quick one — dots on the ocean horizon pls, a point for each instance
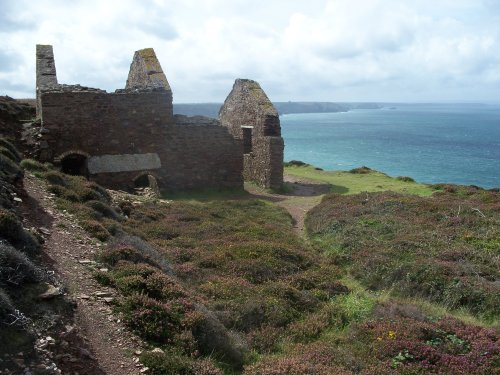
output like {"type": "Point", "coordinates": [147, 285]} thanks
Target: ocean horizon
{"type": "Point", "coordinates": [430, 142]}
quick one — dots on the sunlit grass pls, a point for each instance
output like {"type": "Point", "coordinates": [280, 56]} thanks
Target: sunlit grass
{"type": "Point", "coordinates": [344, 182]}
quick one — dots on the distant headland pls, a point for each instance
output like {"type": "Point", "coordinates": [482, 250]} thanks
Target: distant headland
{"type": "Point", "coordinates": [283, 108]}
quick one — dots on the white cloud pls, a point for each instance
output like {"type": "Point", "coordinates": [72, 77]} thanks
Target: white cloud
{"type": "Point", "coordinates": [317, 50]}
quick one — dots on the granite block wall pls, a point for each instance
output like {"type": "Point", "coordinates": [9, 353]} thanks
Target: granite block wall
{"type": "Point", "coordinates": [248, 112]}
{"type": "Point", "coordinates": [133, 131]}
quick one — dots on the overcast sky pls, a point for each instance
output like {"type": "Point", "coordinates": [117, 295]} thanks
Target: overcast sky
{"type": "Point", "coordinates": [315, 50]}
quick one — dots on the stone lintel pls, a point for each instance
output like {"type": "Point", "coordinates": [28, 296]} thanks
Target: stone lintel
{"type": "Point", "coordinates": [123, 163]}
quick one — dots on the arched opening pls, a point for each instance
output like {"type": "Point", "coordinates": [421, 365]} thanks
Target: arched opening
{"type": "Point", "coordinates": [145, 183]}
{"type": "Point", "coordinates": [142, 181]}
{"type": "Point", "coordinates": [74, 164]}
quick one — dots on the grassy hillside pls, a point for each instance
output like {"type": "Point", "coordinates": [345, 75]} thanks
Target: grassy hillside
{"type": "Point", "coordinates": [358, 180]}
{"type": "Point", "coordinates": [224, 286]}
{"type": "Point", "coordinates": [444, 248]}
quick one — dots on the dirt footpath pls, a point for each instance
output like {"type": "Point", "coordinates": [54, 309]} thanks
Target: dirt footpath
{"type": "Point", "coordinates": [304, 194]}
{"type": "Point", "coordinates": [100, 343]}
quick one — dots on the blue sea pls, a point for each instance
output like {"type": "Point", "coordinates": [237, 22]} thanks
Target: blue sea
{"type": "Point", "coordinates": [452, 143]}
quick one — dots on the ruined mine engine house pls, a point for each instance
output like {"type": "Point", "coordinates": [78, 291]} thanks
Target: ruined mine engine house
{"type": "Point", "coordinates": [131, 136]}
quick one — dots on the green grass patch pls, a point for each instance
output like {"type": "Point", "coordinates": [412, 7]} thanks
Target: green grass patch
{"type": "Point", "coordinates": [362, 180]}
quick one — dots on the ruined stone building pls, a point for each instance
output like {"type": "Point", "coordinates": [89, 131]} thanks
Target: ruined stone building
{"type": "Point", "coordinates": [250, 116]}
{"type": "Point", "coordinates": [131, 137]}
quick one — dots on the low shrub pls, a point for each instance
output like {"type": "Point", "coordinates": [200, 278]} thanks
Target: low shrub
{"type": "Point", "coordinates": [266, 339]}
{"type": "Point", "coordinates": [315, 324]}
{"type": "Point", "coordinates": [102, 192]}
{"type": "Point", "coordinates": [361, 170]}
{"type": "Point", "coordinates": [64, 193]}
{"type": "Point", "coordinates": [12, 230]}
{"type": "Point", "coordinates": [116, 252]}
{"type": "Point", "coordinates": [124, 268]}
{"type": "Point", "coordinates": [112, 226]}
{"type": "Point", "coordinates": [206, 366]}
{"type": "Point", "coordinates": [227, 288]}
{"type": "Point", "coordinates": [163, 287]}
{"type": "Point", "coordinates": [9, 170]}
{"type": "Point", "coordinates": [15, 155]}
{"type": "Point", "coordinates": [295, 163]}
{"type": "Point", "coordinates": [104, 210]}
{"type": "Point", "coordinates": [312, 359]}
{"type": "Point", "coordinates": [56, 178]}
{"type": "Point", "coordinates": [33, 166]}
{"type": "Point", "coordinates": [215, 340]}
{"type": "Point", "coordinates": [432, 247]}
{"type": "Point", "coordinates": [444, 346]}
{"type": "Point", "coordinates": [126, 207]}
{"type": "Point", "coordinates": [84, 193]}
{"type": "Point", "coordinates": [16, 268]}
{"type": "Point", "coordinates": [130, 284]}
{"type": "Point", "coordinates": [168, 363]}
{"type": "Point", "coordinates": [298, 300]}
{"type": "Point", "coordinates": [7, 153]}
{"type": "Point", "coordinates": [405, 179]}
{"type": "Point", "coordinates": [321, 281]}
{"type": "Point", "coordinates": [134, 249]}
{"type": "Point", "coordinates": [95, 229]}
{"type": "Point", "coordinates": [154, 320]}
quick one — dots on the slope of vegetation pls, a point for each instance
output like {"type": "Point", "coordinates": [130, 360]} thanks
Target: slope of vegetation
{"type": "Point", "coordinates": [358, 180]}
{"type": "Point", "coordinates": [224, 286]}
{"type": "Point", "coordinates": [445, 248]}
{"type": "Point", "coordinates": [20, 277]}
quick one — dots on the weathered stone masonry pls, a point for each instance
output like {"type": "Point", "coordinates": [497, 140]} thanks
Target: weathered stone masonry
{"type": "Point", "coordinates": [122, 135]}
{"type": "Point", "coordinates": [250, 116]}
{"type": "Point", "coordinates": [119, 138]}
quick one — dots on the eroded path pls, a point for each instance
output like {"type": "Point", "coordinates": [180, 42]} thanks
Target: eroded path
{"type": "Point", "coordinates": [70, 251]}
{"type": "Point", "coordinates": [304, 195]}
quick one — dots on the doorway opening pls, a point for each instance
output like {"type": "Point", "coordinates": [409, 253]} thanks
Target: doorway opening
{"type": "Point", "coordinates": [247, 139]}
{"type": "Point", "coordinates": [75, 164]}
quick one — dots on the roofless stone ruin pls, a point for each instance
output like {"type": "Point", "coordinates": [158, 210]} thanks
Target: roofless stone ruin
{"type": "Point", "coordinates": [131, 136]}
